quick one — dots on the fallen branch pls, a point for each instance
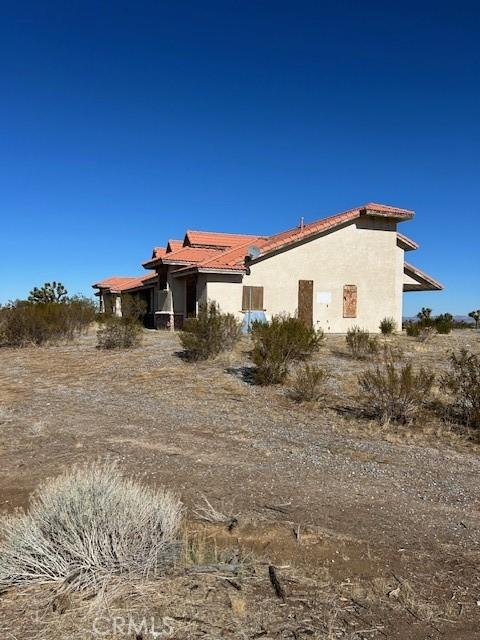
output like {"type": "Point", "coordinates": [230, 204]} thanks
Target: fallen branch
{"type": "Point", "coordinates": [276, 584]}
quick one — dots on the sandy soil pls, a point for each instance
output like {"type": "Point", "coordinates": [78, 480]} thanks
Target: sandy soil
{"type": "Point", "coordinates": [388, 517]}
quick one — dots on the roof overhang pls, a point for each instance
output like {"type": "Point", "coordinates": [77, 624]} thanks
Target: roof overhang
{"type": "Point", "coordinates": [194, 270]}
{"type": "Point", "coordinates": [386, 212]}
{"type": "Point", "coordinates": [418, 280]}
{"type": "Point", "coordinates": [405, 243]}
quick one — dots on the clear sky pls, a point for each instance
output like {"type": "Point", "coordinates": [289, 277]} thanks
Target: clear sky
{"type": "Point", "coordinates": [122, 124]}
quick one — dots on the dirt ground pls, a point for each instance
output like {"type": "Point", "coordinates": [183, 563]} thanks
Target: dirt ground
{"type": "Point", "coordinates": [374, 530]}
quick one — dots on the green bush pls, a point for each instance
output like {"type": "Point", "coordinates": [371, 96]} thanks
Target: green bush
{"type": "Point", "coordinates": [388, 326]}
{"type": "Point", "coordinates": [412, 329]}
{"type": "Point", "coordinates": [392, 391]}
{"type": "Point", "coordinates": [119, 333]}
{"type": "Point", "coordinates": [308, 383]}
{"type": "Point", "coordinates": [278, 343]}
{"type": "Point", "coordinates": [444, 323]}
{"type": "Point", "coordinates": [463, 383]}
{"type": "Point", "coordinates": [210, 333]}
{"type": "Point", "coordinates": [25, 323]}
{"type": "Point", "coordinates": [360, 343]}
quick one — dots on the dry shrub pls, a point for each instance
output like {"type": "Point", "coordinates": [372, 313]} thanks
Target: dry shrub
{"type": "Point", "coordinates": [388, 326]}
{"type": "Point", "coordinates": [133, 307]}
{"type": "Point", "coordinates": [360, 343]}
{"type": "Point", "coordinates": [119, 333]}
{"type": "Point", "coordinates": [24, 323]}
{"type": "Point", "coordinates": [87, 526]}
{"type": "Point", "coordinates": [308, 383]}
{"type": "Point", "coordinates": [210, 333]}
{"type": "Point", "coordinates": [463, 382]}
{"type": "Point", "coordinates": [422, 330]}
{"type": "Point", "coordinates": [277, 344]}
{"type": "Point", "coordinates": [393, 391]}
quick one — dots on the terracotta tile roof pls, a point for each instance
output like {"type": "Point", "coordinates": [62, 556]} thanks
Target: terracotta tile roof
{"type": "Point", "coordinates": [117, 284]}
{"type": "Point", "coordinates": [416, 272]}
{"type": "Point", "coordinates": [174, 245]}
{"type": "Point", "coordinates": [158, 252]}
{"type": "Point", "coordinates": [189, 254]}
{"type": "Point", "coordinates": [211, 239]}
{"type": "Point", "coordinates": [232, 259]}
{"type": "Point", "coordinates": [285, 238]}
{"type": "Point", "coordinates": [205, 249]}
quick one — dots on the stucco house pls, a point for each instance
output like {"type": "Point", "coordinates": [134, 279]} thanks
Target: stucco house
{"type": "Point", "coordinates": [344, 270]}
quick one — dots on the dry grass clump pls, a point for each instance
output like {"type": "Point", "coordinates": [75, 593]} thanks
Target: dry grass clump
{"type": "Point", "coordinates": [87, 526]}
{"type": "Point", "coordinates": [393, 391]}
{"type": "Point", "coordinates": [308, 384]}
{"type": "Point", "coordinates": [463, 382]}
{"type": "Point", "coordinates": [210, 333]}
{"type": "Point", "coordinates": [279, 343]}
{"type": "Point", "coordinates": [360, 343]}
{"type": "Point", "coordinates": [119, 333]}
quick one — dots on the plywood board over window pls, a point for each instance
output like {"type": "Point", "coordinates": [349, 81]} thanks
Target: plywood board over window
{"type": "Point", "coordinates": [305, 302]}
{"type": "Point", "coordinates": [252, 299]}
{"type": "Point", "coordinates": [350, 301]}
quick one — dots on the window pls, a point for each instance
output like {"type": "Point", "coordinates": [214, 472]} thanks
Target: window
{"type": "Point", "coordinates": [350, 301]}
{"type": "Point", "coordinates": [252, 299]}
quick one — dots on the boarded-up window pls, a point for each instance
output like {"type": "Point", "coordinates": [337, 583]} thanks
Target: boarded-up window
{"type": "Point", "coordinates": [305, 302]}
{"type": "Point", "coordinates": [252, 299]}
{"type": "Point", "coordinates": [350, 301]}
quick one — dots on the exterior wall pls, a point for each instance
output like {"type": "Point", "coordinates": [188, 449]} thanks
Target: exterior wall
{"type": "Point", "coordinates": [227, 291]}
{"type": "Point", "coordinates": [202, 295]}
{"type": "Point", "coordinates": [177, 287]}
{"type": "Point", "coordinates": [363, 253]}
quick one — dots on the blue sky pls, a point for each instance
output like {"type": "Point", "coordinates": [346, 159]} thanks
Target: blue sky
{"type": "Point", "coordinates": [123, 124]}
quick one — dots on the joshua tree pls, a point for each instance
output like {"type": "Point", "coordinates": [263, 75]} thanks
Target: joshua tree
{"type": "Point", "coordinates": [476, 316]}
{"type": "Point", "coordinates": [424, 314]}
{"type": "Point", "coordinates": [50, 292]}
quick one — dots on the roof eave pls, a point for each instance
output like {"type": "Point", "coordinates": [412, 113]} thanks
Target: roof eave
{"type": "Point", "coordinates": [423, 278]}
{"type": "Point", "coordinates": [196, 269]}
{"type": "Point", "coordinates": [379, 213]}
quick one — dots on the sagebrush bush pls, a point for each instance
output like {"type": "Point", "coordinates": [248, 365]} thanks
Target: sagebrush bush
{"type": "Point", "coordinates": [463, 383]}
{"type": "Point", "coordinates": [388, 326]}
{"type": "Point", "coordinates": [119, 333]}
{"type": "Point", "coordinates": [86, 526]}
{"type": "Point", "coordinates": [24, 323]}
{"type": "Point", "coordinates": [444, 323]}
{"type": "Point", "coordinates": [278, 343]}
{"type": "Point", "coordinates": [210, 333]}
{"type": "Point", "coordinates": [393, 391]}
{"type": "Point", "coordinates": [360, 343]}
{"type": "Point", "coordinates": [309, 383]}
{"type": "Point", "coordinates": [412, 329]}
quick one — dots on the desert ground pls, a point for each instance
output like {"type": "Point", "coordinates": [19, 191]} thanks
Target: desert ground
{"type": "Point", "coordinates": [373, 530]}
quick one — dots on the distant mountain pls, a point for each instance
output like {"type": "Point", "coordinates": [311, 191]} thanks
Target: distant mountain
{"type": "Point", "coordinates": [466, 319]}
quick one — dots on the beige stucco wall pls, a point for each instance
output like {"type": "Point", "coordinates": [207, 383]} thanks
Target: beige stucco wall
{"type": "Point", "coordinates": [363, 253]}
{"type": "Point", "coordinates": [227, 291]}
{"type": "Point", "coordinates": [177, 287]}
